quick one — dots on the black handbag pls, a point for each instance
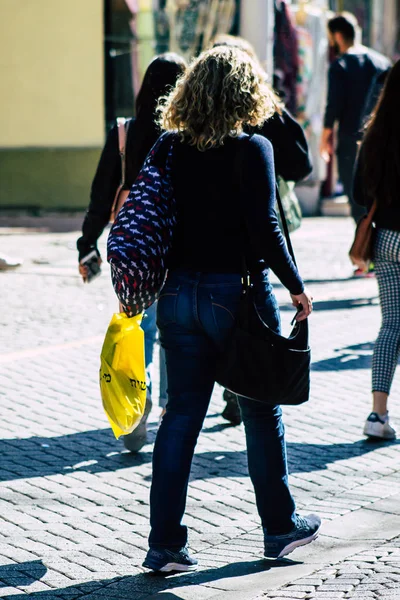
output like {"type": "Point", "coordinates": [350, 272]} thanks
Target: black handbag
{"type": "Point", "coordinates": [258, 363]}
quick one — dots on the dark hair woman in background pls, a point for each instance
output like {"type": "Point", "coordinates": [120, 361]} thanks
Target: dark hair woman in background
{"type": "Point", "coordinates": [143, 131]}
{"type": "Point", "coordinates": [224, 186]}
{"type": "Point", "coordinates": [377, 178]}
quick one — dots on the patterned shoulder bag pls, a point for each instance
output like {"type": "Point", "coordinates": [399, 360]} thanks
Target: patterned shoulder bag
{"type": "Point", "coordinates": [141, 236]}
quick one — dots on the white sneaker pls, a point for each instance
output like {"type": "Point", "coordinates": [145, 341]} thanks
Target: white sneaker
{"type": "Point", "coordinates": [376, 427]}
{"type": "Point", "coordinates": [6, 262]}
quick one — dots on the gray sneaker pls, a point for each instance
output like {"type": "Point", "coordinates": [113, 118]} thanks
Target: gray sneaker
{"type": "Point", "coordinates": [304, 532]}
{"type": "Point", "coordinates": [138, 438]}
{"type": "Point", "coordinates": [168, 561]}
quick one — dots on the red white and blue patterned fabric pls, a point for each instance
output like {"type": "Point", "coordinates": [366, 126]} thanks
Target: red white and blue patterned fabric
{"type": "Point", "coordinates": [141, 236]}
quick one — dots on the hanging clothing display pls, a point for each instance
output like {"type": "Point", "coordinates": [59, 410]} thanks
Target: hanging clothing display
{"type": "Point", "coordinates": [286, 55]}
{"type": "Point", "coordinates": [188, 26]}
{"type": "Point", "coordinates": [311, 28]}
{"type": "Point", "coordinates": [305, 71]}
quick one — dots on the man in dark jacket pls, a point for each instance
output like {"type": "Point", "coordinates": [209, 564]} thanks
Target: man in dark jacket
{"type": "Point", "coordinates": [351, 76]}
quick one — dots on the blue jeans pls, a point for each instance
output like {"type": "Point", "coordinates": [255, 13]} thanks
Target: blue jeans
{"type": "Point", "coordinates": [195, 315]}
{"type": "Point", "coordinates": [149, 327]}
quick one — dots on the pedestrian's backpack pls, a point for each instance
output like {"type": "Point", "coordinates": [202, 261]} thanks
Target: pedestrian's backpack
{"type": "Point", "coordinates": [141, 236]}
{"type": "Point", "coordinates": [121, 194]}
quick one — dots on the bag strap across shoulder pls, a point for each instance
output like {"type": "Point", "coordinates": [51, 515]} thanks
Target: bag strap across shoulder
{"type": "Point", "coordinates": [371, 213]}
{"type": "Point", "coordinates": [122, 126]}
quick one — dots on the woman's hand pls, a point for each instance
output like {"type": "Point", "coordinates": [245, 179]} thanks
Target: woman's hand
{"type": "Point", "coordinates": [83, 270]}
{"type": "Point", "coordinates": [303, 303]}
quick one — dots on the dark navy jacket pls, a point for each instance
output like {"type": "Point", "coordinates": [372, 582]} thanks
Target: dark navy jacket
{"type": "Point", "coordinates": [351, 76]}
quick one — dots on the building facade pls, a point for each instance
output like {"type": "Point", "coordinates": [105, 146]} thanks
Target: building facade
{"type": "Point", "coordinates": [52, 101]}
{"type": "Point", "coordinates": [68, 68]}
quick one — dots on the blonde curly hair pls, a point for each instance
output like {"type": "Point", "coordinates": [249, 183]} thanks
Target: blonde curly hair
{"type": "Point", "coordinates": [222, 91]}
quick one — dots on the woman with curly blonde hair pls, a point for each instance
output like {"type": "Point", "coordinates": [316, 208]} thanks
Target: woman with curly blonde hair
{"type": "Point", "coordinates": [224, 187]}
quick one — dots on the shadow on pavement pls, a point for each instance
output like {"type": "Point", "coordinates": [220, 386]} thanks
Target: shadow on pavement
{"type": "Point", "coordinates": [348, 358]}
{"type": "Point", "coordinates": [141, 586]}
{"type": "Point", "coordinates": [218, 427]}
{"type": "Point", "coordinates": [322, 281]}
{"type": "Point", "coordinates": [338, 304]}
{"type": "Point", "coordinates": [330, 280]}
{"type": "Point", "coordinates": [345, 304]}
{"type": "Point", "coordinates": [21, 574]}
{"type": "Point", "coordinates": [60, 222]}
{"type": "Point", "coordinates": [97, 452]}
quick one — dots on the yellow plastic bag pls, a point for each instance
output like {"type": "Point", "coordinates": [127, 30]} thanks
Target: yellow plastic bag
{"type": "Point", "coordinates": [122, 373]}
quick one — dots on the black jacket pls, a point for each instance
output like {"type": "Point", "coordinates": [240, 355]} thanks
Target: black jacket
{"type": "Point", "coordinates": [292, 159]}
{"type": "Point", "coordinates": [292, 163]}
{"type": "Point", "coordinates": [351, 77]}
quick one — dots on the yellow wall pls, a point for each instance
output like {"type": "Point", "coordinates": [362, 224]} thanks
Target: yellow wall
{"type": "Point", "coordinates": [51, 73]}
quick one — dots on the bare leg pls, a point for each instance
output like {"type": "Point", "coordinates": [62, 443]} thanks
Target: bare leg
{"type": "Point", "coordinates": [379, 404]}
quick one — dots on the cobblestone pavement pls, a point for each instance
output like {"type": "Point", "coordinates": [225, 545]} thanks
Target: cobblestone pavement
{"type": "Point", "coordinates": [371, 574]}
{"type": "Point", "coordinates": [74, 504]}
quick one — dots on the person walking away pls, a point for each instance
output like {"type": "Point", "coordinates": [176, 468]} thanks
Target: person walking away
{"type": "Point", "coordinates": [377, 179]}
{"type": "Point", "coordinates": [292, 163]}
{"type": "Point", "coordinates": [224, 216]}
{"type": "Point", "coordinates": [142, 133]}
{"type": "Point", "coordinates": [350, 78]}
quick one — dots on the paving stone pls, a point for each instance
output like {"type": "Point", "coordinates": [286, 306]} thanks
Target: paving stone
{"type": "Point", "coordinates": [347, 580]}
{"type": "Point", "coordinates": [312, 581]}
{"type": "Point", "coordinates": [301, 587]}
{"type": "Point", "coordinates": [289, 594]}
{"type": "Point", "coordinates": [328, 595]}
{"type": "Point", "coordinates": [336, 586]}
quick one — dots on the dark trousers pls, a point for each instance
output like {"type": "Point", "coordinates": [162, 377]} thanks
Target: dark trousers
{"type": "Point", "coordinates": [195, 315]}
{"type": "Point", "coordinates": [347, 154]}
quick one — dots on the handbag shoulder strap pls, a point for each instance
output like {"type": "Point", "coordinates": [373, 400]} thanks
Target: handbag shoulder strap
{"type": "Point", "coordinates": [122, 130]}
{"type": "Point", "coordinates": [372, 211]}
